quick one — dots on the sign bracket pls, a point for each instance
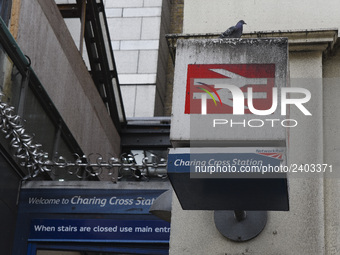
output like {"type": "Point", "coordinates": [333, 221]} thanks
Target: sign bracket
{"type": "Point", "coordinates": [239, 225]}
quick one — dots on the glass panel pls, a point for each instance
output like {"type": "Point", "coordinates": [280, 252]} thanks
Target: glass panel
{"type": "Point", "coordinates": [106, 40]}
{"type": "Point", "coordinates": [5, 9]}
{"type": "Point", "coordinates": [39, 123]}
{"type": "Point", "coordinates": [10, 80]}
{"type": "Point", "coordinates": [13, 89]}
{"type": "Point", "coordinates": [119, 103]}
{"type": "Point", "coordinates": [62, 174]}
{"type": "Point", "coordinates": [64, 150]}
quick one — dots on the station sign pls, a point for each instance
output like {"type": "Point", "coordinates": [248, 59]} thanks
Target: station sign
{"type": "Point", "coordinates": [88, 213]}
{"type": "Point", "coordinates": [229, 92]}
{"type": "Point", "coordinates": [232, 162]}
{"type": "Point", "coordinates": [100, 230]}
{"type": "Point", "coordinates": [234, 178]}
{"type": "Point", "coordinates": [98, 201]}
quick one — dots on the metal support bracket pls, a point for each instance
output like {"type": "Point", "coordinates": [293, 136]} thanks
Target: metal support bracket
{"type": "Point", "coordinates": [240, 226]}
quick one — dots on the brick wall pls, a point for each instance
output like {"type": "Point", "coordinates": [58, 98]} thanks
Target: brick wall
{"type": "Point", "coordinates": [137, 29]}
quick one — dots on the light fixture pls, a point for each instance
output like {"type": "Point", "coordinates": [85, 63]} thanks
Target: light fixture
{"type": "Point", "coordinates": [161, 207]}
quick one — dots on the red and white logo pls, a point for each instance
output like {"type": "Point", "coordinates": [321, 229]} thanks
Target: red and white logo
{"type": "Point", "coordinates": [230, 89]}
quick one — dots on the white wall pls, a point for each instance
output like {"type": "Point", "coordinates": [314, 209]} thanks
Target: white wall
{"type": "Point", "coordinates": [260, 15]}
{"type": "Point", "coordinates": [331, 92]}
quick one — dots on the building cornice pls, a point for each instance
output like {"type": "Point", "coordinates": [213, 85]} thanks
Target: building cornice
{"type": "Point", "coordinates": [299, 40]}
{"type": "Point", "coordinates": [303, 40]}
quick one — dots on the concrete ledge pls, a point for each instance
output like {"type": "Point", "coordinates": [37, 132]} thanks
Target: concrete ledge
{"type": "Point", "coordinates": [303, 40]}
{"type": "Point", "coordinates": [298, 40]}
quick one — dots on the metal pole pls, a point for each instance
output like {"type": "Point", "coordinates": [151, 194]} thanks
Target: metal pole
{"type": "Point", "coordinates": [82, 28]}
{"type": "Point", "coordinates": [240, 215]}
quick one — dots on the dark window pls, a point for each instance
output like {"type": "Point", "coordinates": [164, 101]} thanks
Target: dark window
{"type": "Point", "coordinates": [5, 10]}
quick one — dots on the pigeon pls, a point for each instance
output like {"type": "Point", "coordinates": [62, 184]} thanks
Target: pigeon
{"type": "Point", "coordinates": [234, 31]}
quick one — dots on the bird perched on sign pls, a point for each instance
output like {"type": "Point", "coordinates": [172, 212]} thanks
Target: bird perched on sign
{"type": "Point", "coordinates": [234, 31]}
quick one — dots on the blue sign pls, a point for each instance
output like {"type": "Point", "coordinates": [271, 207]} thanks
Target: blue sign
{"type": "Point", "coordinates": [112, 201]}
{"type": "Point", "coordinates": [85, 216]}
{"type": "Point", "coordinates": [227, 162]}
{"type": "Point", "coordinates": [96, 230]}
